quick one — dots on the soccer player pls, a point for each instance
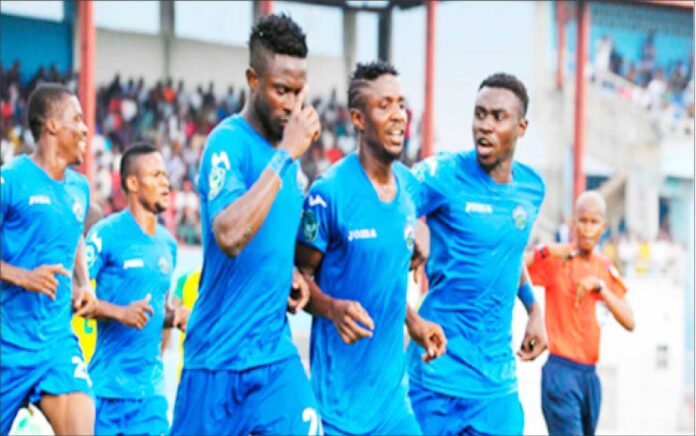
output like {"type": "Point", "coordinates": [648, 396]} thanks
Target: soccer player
{"type": "Point", "coordinates": [242, 373]}
{"type": "Point", "coordinates": [581, 284]}
{"type": "Point", "coordinates": [357, 238]}
{"type": "Point", "coordinates": [480, 206]}
{"type": "Point", "coordinates": [44, 203]}
{"type": "Point", "coordinates": [131, 257]}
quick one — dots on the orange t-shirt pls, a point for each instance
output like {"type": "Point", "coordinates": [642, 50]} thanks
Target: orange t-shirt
{"type": "Point", "coordinates": [573, 332]}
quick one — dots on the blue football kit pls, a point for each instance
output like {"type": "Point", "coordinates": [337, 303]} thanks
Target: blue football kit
{"type": "Point", "coordinates": [366, 245]}
{"type": "Point", "coordinates": [242, 373]}
{"type": "Point", "coordinates": [479, 230]}
{"type": "Point", "coordinates": [42, 220]}
{"type": "Point", "coordinates": [127, 265]}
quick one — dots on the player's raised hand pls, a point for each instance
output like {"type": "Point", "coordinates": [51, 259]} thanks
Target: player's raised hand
{"type": "Point", "coordinates": [430, 336]}
{"type": "Point", "coordinates": [299, 293]}
{"type": "Point", "coordinates": [43, 280]}
{"type": "Point", "coordinates": [346, 315]}
{"type": "Point", "coordinates": [302, 127]}
{"type": "Point", "coordinates": [136, 314]}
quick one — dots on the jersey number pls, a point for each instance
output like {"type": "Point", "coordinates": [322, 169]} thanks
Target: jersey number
{"type": "Point", "coordinates": [81, 370]}
{"type": "Point", "coordinates": [310, 415]}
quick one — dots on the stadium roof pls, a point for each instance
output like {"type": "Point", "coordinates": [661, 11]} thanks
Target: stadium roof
{"type": "Point", "coordinates": [381, 5]}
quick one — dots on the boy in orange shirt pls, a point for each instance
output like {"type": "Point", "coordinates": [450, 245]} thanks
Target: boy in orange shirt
{"type": "Point", "coordinates": [580, 282]}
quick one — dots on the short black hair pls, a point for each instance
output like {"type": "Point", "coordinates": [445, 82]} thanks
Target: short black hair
{"type": "Point", "coordinates": [510, 82]}
{"type": "Point", "coordinates": [42, 102]}
{"type": "Point", "coordinates": [277, 34]}
{"type": "Point", "coordinates": [363, 74]}
{"type": "Point", "coordinates": [129, 157]}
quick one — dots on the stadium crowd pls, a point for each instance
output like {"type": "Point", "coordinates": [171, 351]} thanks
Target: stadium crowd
{"type": "Point", "coordinates": [666, 90]}
{"type": "Point", "coordinates": [168, 115]}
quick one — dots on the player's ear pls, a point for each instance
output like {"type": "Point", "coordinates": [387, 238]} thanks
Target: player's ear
{"type": "Point", "coordinates": [522, 125]}
{"type": "Point", "coordinates": [132, 183]}
{"type": "Point", "coordinates": [252, 79]}
{"type": "Point", "coordinates": [357, 117]}
{"type": "Point", "coordinates": [51, 125]}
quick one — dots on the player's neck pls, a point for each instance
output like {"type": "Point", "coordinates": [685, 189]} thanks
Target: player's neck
{"type": "Point", "coordinates": [145, 219]}
{"type": "Point", "coordinates": [47, 158]}
{"type": "Point", "coordinates": [378, 170]}
{"type": "Point", "coordinates": [502, 172]}
{"type": "Point", "coordinates": [254, 121]}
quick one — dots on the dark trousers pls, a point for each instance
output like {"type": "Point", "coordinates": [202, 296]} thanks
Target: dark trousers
{"type": "Point", "coordinates": [571, 397]}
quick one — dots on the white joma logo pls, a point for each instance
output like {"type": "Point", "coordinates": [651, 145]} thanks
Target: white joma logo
{"type": "Point", "coordinates": [362, 234]}
{"type": "Point", "coordinates": [133, 263]}
{"type": "Point", "coordinates": [478, 207]}
{"type": "Point", "coordinates": [39, 199]}
{"type": "Point", "coordinates": [313, 201]}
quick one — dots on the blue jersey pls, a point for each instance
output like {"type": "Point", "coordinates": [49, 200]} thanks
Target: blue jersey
{"type": "Point", "coordinates": [367, 246]}
{"type": "Point", "coordinates": [127, 264]}
{"type": "Point", "coordinates": [42, 220]}
{"type": "Point", "coordinates": [239, 319]}
{"type": "Point", "coordinates": [479, 230]}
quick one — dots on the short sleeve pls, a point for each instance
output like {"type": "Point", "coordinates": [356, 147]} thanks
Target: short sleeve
{"type": "Point", "coordinates": [424, 190]}
{"type": "Point", "coordinates": [96, 252]}
{"type": "Point", "coordinates": [540, 269]}
{"type": "Point", "coordinates": [317, 217]}
{"type": "Point", "coordinates": [616, 283]}
{"type": "Point", "coordinates": [221, 179]}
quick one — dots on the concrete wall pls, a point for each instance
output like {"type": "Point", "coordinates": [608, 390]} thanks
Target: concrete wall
{"type": "Point", "coordinates": [196, 62]}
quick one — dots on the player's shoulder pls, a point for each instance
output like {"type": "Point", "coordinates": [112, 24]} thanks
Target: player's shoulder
{"type": "Point", "coordinates": [74, 177]}
{"type": "Point", "coordinates": [529, 178]}
{"type": "Point", "coordinates": [16, 167]}
{"type": "Point", "coordinates": [107, 223]}
{"type": "Point", "coordinates": [433, 166]}
{"type": "Point", "coordinates": [336, 175]}
{"type": "Point", "coordinates": [165, 235]}
{"type": "Point", "coordinates": [227, 137]}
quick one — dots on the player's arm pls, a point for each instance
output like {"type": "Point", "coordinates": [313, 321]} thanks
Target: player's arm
{"type": "Point", "coordinates": [550, 250]}
{"type": "Point", "coordinates": [534, 342]}
{"type": "Point", "coordinates": [345, 314]}
{"type": "Point", "coordinates": [175, 316]}
{"type": "Point", "coordinates": [135, 315]}
{"type": "Point", "coordinates": [41, 280]}
{"type": "Point", "coordinates": [427, 334]}
{"type": "Point", "coordinates": [421, 247]}
{"type": "Point", "coordinates": [84, 301]}
{"type": "Point", "coordinates": [236, 224]}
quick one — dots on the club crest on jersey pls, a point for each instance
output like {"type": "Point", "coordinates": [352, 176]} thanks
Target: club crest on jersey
{"type": "Point", "coordinates": [519, 216]}
{"type": "Point", "coordinates": [90, 255]}
{"type": "Point", "coordinates": [410, 236]}
{"type": "Point", "coordinates": [310, 226]}
{"type": "Point", "coordinates": [215, 181]}
{"type": "Point", "coordinates": [163, 265]}
{"type": "Point", "coordinates": [79, 211]}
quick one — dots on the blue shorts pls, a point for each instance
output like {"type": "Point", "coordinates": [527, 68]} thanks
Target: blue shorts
{"type": "Point", "coordinates": [443, 414]}
{"type": "Point", "coordinates": [132, 416]}
{"type": "Point", "coordinates": [61, 371]}
{"type": "Point", "coordinates": [571, 396]}
{"type": "Point", "coordinates": [269, 399]}
{"type": "Point", "coordinates": [398, 419]}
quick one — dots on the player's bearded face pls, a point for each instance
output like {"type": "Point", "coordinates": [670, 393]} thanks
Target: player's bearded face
{"type": "Point", "coordinates": [589, 224]}
{"type": "Point", "coordinates": [153, 183]}
{"type": "Point", "coordinates": [496, 126]}
{"type": "Point", "coordinates": [72, 131]}
{"type": "Point", "coordinates": [385, 116]}
{"type": "Point", "coordinates": [279, 86]}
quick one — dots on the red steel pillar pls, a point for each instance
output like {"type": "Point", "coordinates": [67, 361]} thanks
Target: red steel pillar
{"type": "Point", "coordinates": [266, 7]}
{"type": "Point", "coordinates": [583, 34]}
{"type": "Point", "coordinates": [430, 32]}
{"type": "Point", "coordinates": [86, 85]}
